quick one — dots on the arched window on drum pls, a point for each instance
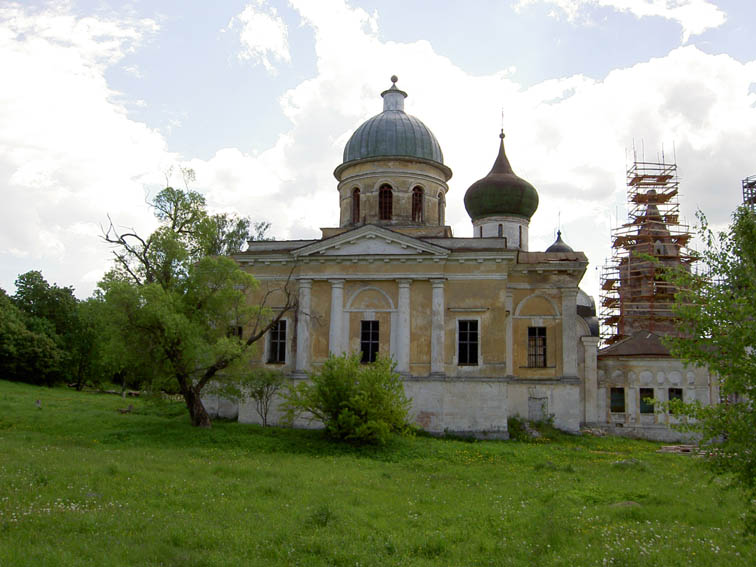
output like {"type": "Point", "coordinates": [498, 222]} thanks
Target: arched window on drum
{"type": "Point", "coordinates": [385, 202]}
{"type": "Point", "coordinates": [417, 204]}
{"type": "Point", "coordinates": [355, 205]}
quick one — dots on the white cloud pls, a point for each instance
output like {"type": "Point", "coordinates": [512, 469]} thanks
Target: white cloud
{"type": "Point", "coordinates": [695, 16]}
{"type": "Point", "coordinates": [568, 136]}
{"type": "Point", "coordinates": [263, 35]}
{"type": "Point", "coordinates": [68, 153]}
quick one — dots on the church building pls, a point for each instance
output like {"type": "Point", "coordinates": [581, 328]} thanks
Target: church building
{"type": "Point", "coordinates": [480, 328]}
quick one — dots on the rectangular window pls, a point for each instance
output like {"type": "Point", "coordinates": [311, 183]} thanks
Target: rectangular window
{"type": "Point", "coordinates": [369, 341]}
{"type": "Point", "coordinates": [468, 343]}
{"type": "Point", "coordinates": [646, 406]}
{"type": "Point", "coordinates": [617, 402]}
{"type": "Point", "coordinates": [674, 394]}
{"type": "Point", "coordinates": [277, 345]}
{"type": "Point", "coordinates": [536, 347]}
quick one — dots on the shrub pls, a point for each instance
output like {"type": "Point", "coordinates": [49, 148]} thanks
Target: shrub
{"type": "Point", "coordinates": [362, 403]}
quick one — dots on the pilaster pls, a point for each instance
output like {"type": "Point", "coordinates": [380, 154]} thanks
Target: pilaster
{"type": "Point", "coordinates": [569, 339]}
{"type": "Point", "coordinates": [403, 324]}
{"type": "Point", "coordinates": [335, 335]}
{"type": "Point", "coordinates": [437, 326]}
{"type": "Point", "coordinates": [303, 326]}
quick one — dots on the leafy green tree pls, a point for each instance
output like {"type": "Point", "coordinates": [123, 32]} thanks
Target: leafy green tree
{"type": "Point", "coordinates": [27, 354]}
{"type": "Point", "coordinates": [173, 298]}
{"type": "Point", "coordinates": [258, 384]}
{"type": "Point", "coordinates": [356, 402]}
{"type": "Point", "coordinates": [74, 326]}
{"type": "Point", "coordinates": [717, 321]}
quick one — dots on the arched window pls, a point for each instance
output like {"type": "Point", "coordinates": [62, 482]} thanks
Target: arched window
{"type": "Point", "coordinates": [385, 202]}
{"type": "Point", "coordinates": [520, 246]}
{"type": "Point", "coordinates": [355, 205]}
{"type": "Point", "coordinates": [501, 230]}
{"type": "Point", "coordinates": [417, 204]}
{"type": "Point", "coordinates": [480, 232]}
{"type": "Point", "coordinates": [441, 208]}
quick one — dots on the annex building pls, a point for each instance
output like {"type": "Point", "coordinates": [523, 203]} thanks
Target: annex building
{"type": "Point", "coordinates": [481, 328]}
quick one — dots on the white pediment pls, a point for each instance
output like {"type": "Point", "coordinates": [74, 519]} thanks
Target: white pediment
{"type": "Point", "coordinates": [371, 240]}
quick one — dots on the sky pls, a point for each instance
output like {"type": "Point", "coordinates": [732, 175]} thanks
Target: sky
{"type": "Point", "coordinates": [100, 101]}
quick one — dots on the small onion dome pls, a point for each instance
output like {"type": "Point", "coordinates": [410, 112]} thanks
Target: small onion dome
{"type": "Point", "coordinates": [586, 308]}
{"type": "Point", "coordinates": [501, 192]}
{"type": "Point", "coordinates": [393, 133]}
{"type": "Point", "coordinates": [559, 245]}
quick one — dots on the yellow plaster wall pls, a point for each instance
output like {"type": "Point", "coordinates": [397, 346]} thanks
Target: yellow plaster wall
{"type": "Point", "coordinates": [536, 310]}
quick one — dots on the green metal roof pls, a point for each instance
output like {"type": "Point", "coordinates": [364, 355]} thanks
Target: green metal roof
{"type": "Point", "coordinates": [501, 192]}
{"type": "Point", "coordinates": [393, 132]}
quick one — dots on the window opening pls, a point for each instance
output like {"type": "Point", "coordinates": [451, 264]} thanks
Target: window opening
{"type": "Point", "coordinates": [277, 347]}
{"type": "Point", "coordinates": [369, 341]}
{"type": "Point", "coordinates": [468, 343]}
{"type": "Point", "coordinates": [537, 347]}
{"type": "Point", "coordinates": [617, 401]}
{"type": "Point", "coordinates": [674, 394]}
{"type": "Point", "coordinates": [417, 204]}
{"type": "Point", "coordinates": [355, 205]}
{"type": "Point", "coordinates": [440, 209]}
{"type": "Point", "coordinates": [646, 405]}
{"type": "Point", "coordinates": [501, 230]}
{"type": "Point", "coordinates": [520, 246]}
{"type": "Point", "coordinates": [385, 202]}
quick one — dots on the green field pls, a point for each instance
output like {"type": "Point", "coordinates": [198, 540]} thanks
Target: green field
{"type": "Point", "coordinates": [82, 484]}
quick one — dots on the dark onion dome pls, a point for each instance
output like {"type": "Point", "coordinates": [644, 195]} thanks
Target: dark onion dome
{"type": "Point", "coordinates": [586, 308]}
{"type": "Point", "coordinates": [392, 133]}
{"type": "Point", "coordinates": [501, 192]}
{"type": "Point", "coordinates": [559, 245]}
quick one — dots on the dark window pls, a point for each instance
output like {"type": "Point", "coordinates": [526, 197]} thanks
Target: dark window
{"type": "Point", "coordinates": [277, 347]}
{"type": "Point", "coordinates": [646, 405]}
{"type": "Point", "coordinates": [440, 209]}
{"type": "Point", "coordinates": [355, 206]}
{"type": "Point", "coordinates": [674, 394]}
{"type": "Point", "coordinates": [520, 246]}
{"type": "Point", "coordinates": [369, 341]}
{"type": "Point", "coordinates": [501, 230]}
{"type": "Point", "coordinates": [537, 347]}
{"type": "Point", "coordinates": [468, 343]}
{"type": "Point", "coordinates": [417, 204]}
{"type": "Point", "coordinates": [235, 331]}
{"type": "Point", "coordinates": [385, 202]}
{"type": "Point", "coordinates": [617, 402]}
{"type": "Point", "coordinates": [480, 232]}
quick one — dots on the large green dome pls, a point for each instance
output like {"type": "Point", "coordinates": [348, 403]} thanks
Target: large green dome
{"type": "Point", "coordinates": [393, 132]}
{"type": "Point", "coordinates": [501, 192]}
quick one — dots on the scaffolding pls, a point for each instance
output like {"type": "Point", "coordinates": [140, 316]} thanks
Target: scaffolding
{"type": "Point", "coordinates": [633, 296]}
{"type": "Point", "coordinates": [749, 192]}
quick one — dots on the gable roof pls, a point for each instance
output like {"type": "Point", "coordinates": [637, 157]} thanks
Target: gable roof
{"type": "Point", "coordinates": [370, 240]}
{"type": "Point", "coordinates": [641, 343]}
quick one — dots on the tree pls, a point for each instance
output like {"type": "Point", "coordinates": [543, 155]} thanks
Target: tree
{"type": "Point", "coordinates": [717, 322]}
{"type": "Point", "coordinates": [27, 354]}
{"type": "Point", "coordinates": [356, 402]}
{"type": "Point", "coordinates": [175, 299]}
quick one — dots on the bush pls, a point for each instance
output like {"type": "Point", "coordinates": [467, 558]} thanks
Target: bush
{"type": "Point", "coordinates": [362, 403]}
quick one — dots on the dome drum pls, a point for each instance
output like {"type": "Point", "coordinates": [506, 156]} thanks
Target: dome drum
{"type": "Point", "coordinates": [513, 229]}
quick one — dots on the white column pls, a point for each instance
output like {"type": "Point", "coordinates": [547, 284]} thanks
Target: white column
{"type": "Point", "coordinates": [403, 327]}
{"type": "Point", "coordinates": [569, 339]}
{"type": "Point", "coordinates": [437, 327]}
{"type": "Point", "coordinates": [590, 393]}
{"type": "Point", "coordinates": [509, 339]}
{"type": "Point", "coordinates": [303, 326]}
{"type": "Point", "coordinates": [335, 336]}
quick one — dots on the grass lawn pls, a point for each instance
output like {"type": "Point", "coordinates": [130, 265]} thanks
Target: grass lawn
{"type": "Point", "coordinates": [82, 484]}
